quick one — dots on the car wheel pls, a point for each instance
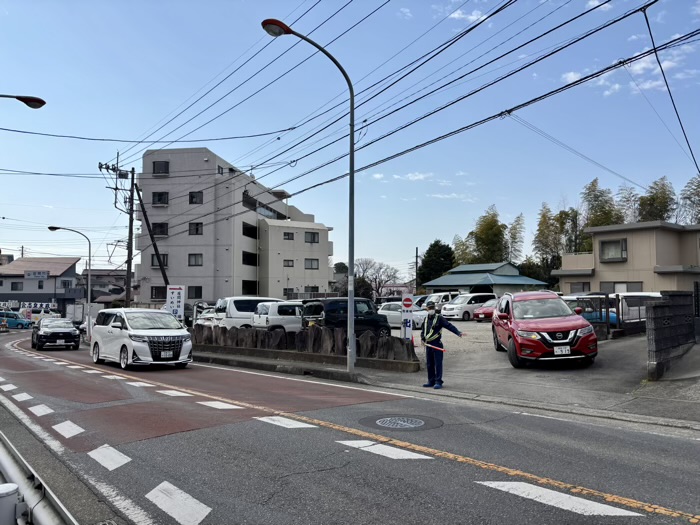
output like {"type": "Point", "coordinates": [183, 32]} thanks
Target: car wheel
{"type": "Point", "coordinates": [466, 316]}
{"type": "Point", "coordinates": [513, 357]}
{"type": "Point", "coordinates": [33, 343]}
{"type": "Point", "coordinates": [181, 365]}
{"type": "Point", "coordinates": [124, 358]}
{"type": "Point", "coordinates": [384, 332]}
{"type": "Point", "coordinates": [496, 343]}
{"type": "Point", "coordinates": [588, 361]}
{"type": "Point", "coordinates": [96, 354]}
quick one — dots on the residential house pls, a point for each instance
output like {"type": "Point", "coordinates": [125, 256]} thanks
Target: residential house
{"type": "Point", "coordinates": [41, 280]}
{"type": "Point", "coordinates": [497, 278]}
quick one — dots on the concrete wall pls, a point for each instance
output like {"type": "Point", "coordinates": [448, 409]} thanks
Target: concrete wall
{"type": "Point", "coordinates": [670, 331]}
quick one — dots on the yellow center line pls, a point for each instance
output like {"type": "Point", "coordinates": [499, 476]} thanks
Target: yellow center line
{"type": "Point", "coordinates": [534, 478]}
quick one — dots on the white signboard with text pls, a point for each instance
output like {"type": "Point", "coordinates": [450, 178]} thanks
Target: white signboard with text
{"type": "Point", "coordinates": [406, 316]}
{"type": "Point", "coordinates": [36, 275]}
{"type": "Point", "coordinates": [175, 301]}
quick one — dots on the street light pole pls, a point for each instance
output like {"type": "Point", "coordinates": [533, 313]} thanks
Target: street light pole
{"type": "Point", "coordinates": [32, 102]}
{"type": "Point", "coordinates": [276, 28]}
{"type": "Point", "coordinates": [89, 291]}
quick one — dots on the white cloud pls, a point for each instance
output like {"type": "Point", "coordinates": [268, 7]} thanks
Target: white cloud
{"type": "Point", "coordinates": [571, 76]}
{"type": "Point", "coordinates": [461, 174]}
{"type": "Point", "coordinates": [592, 3]}
{"type": "Point", "coordinates": [647, 85]}
{"type": "Point", "coordinates": [643, 65]}
{"type": "Point", "coordinates": [414, 176]}
{"type": "Point", "coordinates": [405, 13]}
{"type": "Point", "coordinates": [686, 74]}
{"type": "Point", "coordinates": [443, 182]}
{"type": "Point", "coordinates": [696, 8]}
{"type": "Point", "coordinates": [534, 76]}
{"type": "Point", "coordinates": [612, 89]}
{"type": "Point", "coordinates": [636, 37]}
{"type": "Point", "coordinates": [659, 18]}
{"type": "Point", "coordinates": [408, 199]}
{"type": "Point", "coordinates": [469, 17]}
{"type": "Point", "coordinates": [378, 176]}
{"type": "Point", "coordinates": [446, 195]}
{"type": "Point", "coordinates": [383, 196]}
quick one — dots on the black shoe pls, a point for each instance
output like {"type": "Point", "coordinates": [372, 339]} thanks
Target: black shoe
{"type": "Point", "coordinates": [429, 385]}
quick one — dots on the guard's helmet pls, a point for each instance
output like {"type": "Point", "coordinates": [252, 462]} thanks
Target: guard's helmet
{"type": "Point", "coordinates": [430, 305]}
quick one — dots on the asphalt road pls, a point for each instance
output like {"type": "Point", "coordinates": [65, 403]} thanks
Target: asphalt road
{"type": "Point", "coordinates": [221, 446]}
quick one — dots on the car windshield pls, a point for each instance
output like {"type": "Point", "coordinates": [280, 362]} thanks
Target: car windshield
{"type": "Point", "coordinates": [152, 321]}
{"type": "Point", "coordinates": [541, 309]}
{"type": "Point", "coordinates": [435, 298]}
{"type": "Point", "coordinates": [490, 303]}
{"type": "Point", "coordinates": [59, 323]}
{"type": "Point", "coordinates": [460, 299]}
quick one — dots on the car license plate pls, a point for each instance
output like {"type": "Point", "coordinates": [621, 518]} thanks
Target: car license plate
{"type": "Point", "coordinates": [562, 350]}
{"type": "Point", "coordinates": [60, 342]}
{"type": "Point", "coordinates": [481, 315]}
{"type": "Point", "coordinates": [166, 353]}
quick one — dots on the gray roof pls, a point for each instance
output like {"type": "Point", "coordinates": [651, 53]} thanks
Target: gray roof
{"type": "Point", "coordinates": [477, 268]}
{"type": "Point", "coordinates": [474, 279]}
{"type": "Point", "coordinates": [650, 225]}
{"type": "Point", "coordinates": [56, 266]}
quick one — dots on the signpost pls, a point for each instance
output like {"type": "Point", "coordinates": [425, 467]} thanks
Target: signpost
{"type": "Point", "coordinates": [175, 301]}
{"type": "Point", "coordinates": [406, 316]}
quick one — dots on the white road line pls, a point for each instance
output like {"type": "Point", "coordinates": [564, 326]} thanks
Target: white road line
{"type": "Point", "coordinates": [60, 363]}
{"type": "Point", "coordinates": [93, 371]}
{"type": "Point", "coordinates": [22, 397]}
{"type": "Point", "coordinates": [37, 357]}
{"type": "Point", "coordinates": [7, 388]}
{"type": "Point", "coordinates": [68, 429]}
{"type": "Point", "coordinates": [557, 499]}
{"type": "Point", "coordinates": [139, 383]}
{"type": "Point", "coordinates": [185, 509]}
{"type": "Point", "coordinates": [110, 458]}
{"type": "Point", "coordinates": [285, 422]}
{"type": "Point", "coordinates": [2, 379]}
{"type": "Point", "coordinates": [218, 404]}
{"type": "Point", "coordinates": [383, 450]}
{"type": "Point", "coordinates": [48, 359]}
{"type": "Point", "coordinates": [174, 393]}
{"type": "Point", "coordinates": [76, 366]}
{"type": "Point", "coordinates": [114, 377]}
{"type": "Point", "coordinates": [40, 410]}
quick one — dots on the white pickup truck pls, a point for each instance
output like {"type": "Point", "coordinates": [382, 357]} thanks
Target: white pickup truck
{"type": "Point", "coordinates": [238, 311]}
{"type": "Point", "coordinates": [278, 316]}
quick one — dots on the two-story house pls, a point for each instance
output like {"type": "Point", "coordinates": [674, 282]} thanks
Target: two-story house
{"type": "Point", "coordinates": [41, 280]}
{"type": "Point", "coordinates": [639, 257]}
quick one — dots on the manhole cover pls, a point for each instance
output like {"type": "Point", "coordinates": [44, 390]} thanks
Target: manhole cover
{"type": "Point", "coordinates": [400, 422]}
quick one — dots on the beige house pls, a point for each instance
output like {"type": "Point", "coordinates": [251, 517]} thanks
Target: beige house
{"type": "Point", "coordinates": [641, 257]}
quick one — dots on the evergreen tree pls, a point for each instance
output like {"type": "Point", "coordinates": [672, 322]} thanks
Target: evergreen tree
{"type": "Point", "coordinates": [438, 259]}
{"type": "Point", "coordinates": [490, 243]}
{"type": "Point", "coordinates": [690, 202]}
{"type": "Point", "coordinates": [516, 239]}
{"type": "Point", "coordinates": [599, 206]}
{"type": "Point", "coordinates": [628, 203]}
{"type": "Point", "coordinates": [659, 202]}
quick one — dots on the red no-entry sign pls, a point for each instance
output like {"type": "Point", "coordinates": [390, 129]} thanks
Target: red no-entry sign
{"type": "Point", "coordinates": [407, 302]}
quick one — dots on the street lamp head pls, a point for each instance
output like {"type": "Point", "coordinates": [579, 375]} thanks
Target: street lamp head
{"type": "Point", "coordinates": [276, 28]}
{"type": "Point", "coordinates": [32, 102]}
{"type": "Point", "coordinates": [54, 228]}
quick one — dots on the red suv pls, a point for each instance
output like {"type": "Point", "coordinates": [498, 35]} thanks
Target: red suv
{"type": "Point", "coordinates": [541, 326]}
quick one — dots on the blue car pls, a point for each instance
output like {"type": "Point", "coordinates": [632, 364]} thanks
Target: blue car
{"type": "Point", "coordinates": [14, 320]}
{"type": "Point", "coordinates": [591, 311]}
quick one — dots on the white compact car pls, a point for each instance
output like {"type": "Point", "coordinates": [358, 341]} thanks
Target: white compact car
{"type": "Point", "coordinates": [392, 311]}
{"type": "Point", "coordinates": [238, 311]}
{"type": "Point", "coordinates": [463, 306]}
{"type": "Point", "coordinates": [136, 336]}
{"type": "Point", "coordinates": [284, 315]}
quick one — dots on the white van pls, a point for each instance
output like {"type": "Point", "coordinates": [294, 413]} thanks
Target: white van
{"type": "Point", "coordinates": [285, 315]}
{"type": "Point", "coordinates": [463, 306]}
{"type": "Point", "coordinates": [36, 314]}
{"type": "Point", "coordinates": [238, 311]}
{"type": "Point", "coordinates": [140, 336]}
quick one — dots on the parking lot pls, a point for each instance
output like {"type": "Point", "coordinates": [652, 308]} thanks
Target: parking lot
{"type": "Point", "coordinates": [477, 340]}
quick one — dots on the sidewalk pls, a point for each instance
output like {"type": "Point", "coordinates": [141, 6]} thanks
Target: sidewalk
{"type": "Point", "coordinates": [613, 387]}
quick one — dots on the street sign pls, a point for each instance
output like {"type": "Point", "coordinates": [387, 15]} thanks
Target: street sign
{"type": "Point", "coordinates": [175, 301]}
{"type": "Point", "coordinates": [36, 275]}
{"type": "Point", "coordinates": [406, 316]}
{"type": "Point", "coordinates": [407, 302]}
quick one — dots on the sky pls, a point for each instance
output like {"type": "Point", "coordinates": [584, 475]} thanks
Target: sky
{"type": "Point", "coordinates": [121, 70]}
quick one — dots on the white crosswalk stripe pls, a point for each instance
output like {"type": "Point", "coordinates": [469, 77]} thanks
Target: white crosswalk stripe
{"type": "Point", "coordinates": [114, 377]}
{"type": "Point", "coordinates": [139, 383]}
{"type": "Point", "coordinates": [110, 458]}
{"type": "Point", "coordinates": [7, 388]}
{"type": "Point", "coordinates": [68, 429]}
{"type": "Point", "coordinates": [93, 371]}
{"type": "Point", "coordinates": [383, 450]}
{"type": "Point", "coordinates": [76, 367]}
{"type": "Point", "coordinates": [41, 410]}
{"type": "Point", "coordinates": [174, 393]}
{"type": "Point", "coordinates": [557, 499]}
{"type": "Point", "coordinates": [185, 509]}
{"type": "Point", "coordinates": [285, 422]}
{"type": "Point", "coordinates": [22, 397]}
{"type": "Point", "coordinates": [218, 404]}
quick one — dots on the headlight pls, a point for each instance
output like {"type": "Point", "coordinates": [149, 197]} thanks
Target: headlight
{"type": "Point", "coordinates": [43, 332]}
{"type": "Point", "coordinates": [528, 335]}
{"type": "Point", "coordinates": [187, 338]}
{"type": "Point", "coordinates": [74, 332]}
{"type": "Point", "coordinates": [585, 331]}
{"type": "Point", "coordinates": [138, 338]}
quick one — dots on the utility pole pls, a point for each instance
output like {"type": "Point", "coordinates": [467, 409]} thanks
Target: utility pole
{"type": "Point", "coordinates": [416, 282]}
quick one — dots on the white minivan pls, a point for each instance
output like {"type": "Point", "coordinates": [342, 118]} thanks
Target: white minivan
{"type": "Point", "coordinates": [140, 336]}
{"type": "Point", "coordinates": [463, 306]}
{"type": "Point", "coordinates": [238, 311]}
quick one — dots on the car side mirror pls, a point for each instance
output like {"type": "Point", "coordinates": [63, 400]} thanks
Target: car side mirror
{"type": "Point", "coordinates": [117, 325]}
{"type": "Point", "coordinates": [503, 315]}
{"type": "Point", "coordinates": [578, 310]}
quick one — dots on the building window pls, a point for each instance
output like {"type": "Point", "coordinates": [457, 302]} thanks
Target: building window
{"type": "Point", "coordinates": [613, 251]}
{"type": "Point", "coordinates": [250, 231]}
{"type": "Point", "coordinates": [195, 259]}
{"type": "Point", "coordinates": [288, 263]}
{"type": "Point", "coordinates": [159, 198]}
{"type": "Point", "coordinates": [311, 289]}
{"type": "Point", "coordinates": [249, 287]}
{"type": "Point", "coordinates": [160, 229]}
{"type": "Point", "coordinates": [311, 237]}
{"type": "Point", "coordinates": [251, 259]}
{"type": "Point", "coordinates": [1, 283]}
{"type": "Point", "coordinates": [161, 167]}
{"type": "Point", "coordinates": [40, 285]}
{"type": "Point", "coordinates": [196, 228]}
{"type": "Point", "coordinates": [311, 264]}
{"type": "Point", "coordinates": [65, 283]}
{"type": "Point", "coordinates": [196, 197]}
{"type": "Point", "coordinates": [163, 258]}
{"type": "Point", "coordinates": [581, 287]}
{"type": "Point", "coordinates": [194, 292]}
{"type": "Point", "coordinates": [287, 292]}
{"type": "Point", "coordinates": [158, 292]}
{"type": "Point", "coordinates": [288, 236]}
{"type": "Point", "coordinates": [17, 286]}
{"type": "Point", "coordinates": [220, 170]}
{"type": "Point", "coordinates": [620, 287]}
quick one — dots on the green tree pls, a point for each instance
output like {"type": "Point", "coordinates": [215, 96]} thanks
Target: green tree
{"type": "Point", "coordinates": [489, 235]}
{"type": "Point", "coordinates": [547, 241]}
{"type": "Point", "coordinates": [600, 208]}
{"type": "Point", "coordinates": [515, 238]}
{"type": "Point", "coordinates": [628, 203]}
{"type": "Point", "coordinates": [464, 249]}
{"type": "Point", "coordinates": [363, 288]}
{"type": "Point", "coordinates": [690, 202]}
{"type": "Point", "coordinates": [659, 202]}
{"type": "Point", "coordinates": [340, 267]}
{"type": "Point", "coordinates": [438, 259]}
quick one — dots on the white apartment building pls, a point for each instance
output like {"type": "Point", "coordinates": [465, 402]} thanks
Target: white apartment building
{"type": "Point", "coordinates": [222, 233]}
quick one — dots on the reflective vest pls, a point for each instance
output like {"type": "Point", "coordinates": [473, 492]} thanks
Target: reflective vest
{"type": "Point", "coordinates": [429, 329]}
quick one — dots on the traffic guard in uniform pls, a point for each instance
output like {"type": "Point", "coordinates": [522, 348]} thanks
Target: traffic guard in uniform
{"type": "Point", "coordinates": [431, 337]}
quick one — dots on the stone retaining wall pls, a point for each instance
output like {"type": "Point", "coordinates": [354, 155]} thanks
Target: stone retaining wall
{"type": "Point", "coordinates": [670, 331]}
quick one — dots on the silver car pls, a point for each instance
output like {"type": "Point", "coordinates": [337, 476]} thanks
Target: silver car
{"type": "Point", "coordinates": [392, 311]}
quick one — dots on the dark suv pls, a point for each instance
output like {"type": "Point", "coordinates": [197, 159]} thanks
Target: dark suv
{"type": "Point", "coordinates": [333, 313]}
{"type": "Point", "coordinates": [541, 326]}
